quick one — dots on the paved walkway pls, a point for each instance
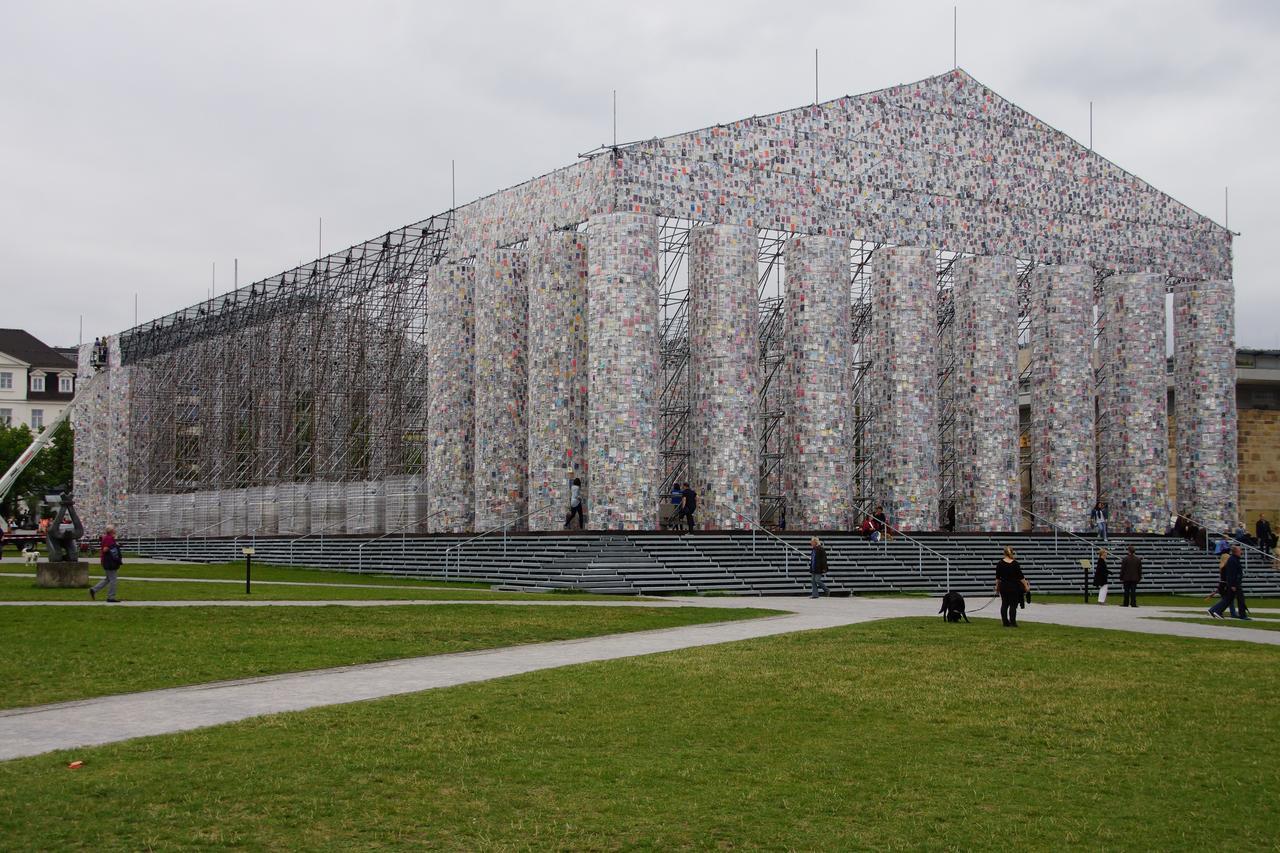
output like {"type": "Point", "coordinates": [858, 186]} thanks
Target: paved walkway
{"type": "Point", "coordinates": [31, 731]}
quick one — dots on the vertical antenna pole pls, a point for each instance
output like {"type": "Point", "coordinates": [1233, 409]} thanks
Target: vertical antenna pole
{"type": "Point", "coordinates": [81, 341]}
{"type": "Point", "coordinates": [320, 240]}
{"type": "Point", "coordinates": [213, 281]}
{"type": "Point", "coordinates": [1091, 125]}
{"type": "Point", "coordinates": [236, 281]}
{"type": "Point", "coordinates": [815, 75]}
{"type": "Point", "coordinates": [453, 178]}
{"type": "Point", "coordinates": [615, 118]}
{"type": "Point", "coordinates": [955, 36]}
{"type": "Point", "coordinates": [135, 309]}
{"type": "Point", "coordinates": [1226, 208]}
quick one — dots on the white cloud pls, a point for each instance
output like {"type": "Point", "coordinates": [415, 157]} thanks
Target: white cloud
{"type": "Point", "coordinates": [143, 141]}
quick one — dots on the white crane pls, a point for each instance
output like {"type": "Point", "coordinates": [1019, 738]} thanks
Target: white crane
{"type": "Point", "coordinates": [41, 441]}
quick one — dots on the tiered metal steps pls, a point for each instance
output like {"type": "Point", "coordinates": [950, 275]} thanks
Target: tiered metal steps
{"type": "Point", "coordinates": [740, 563]}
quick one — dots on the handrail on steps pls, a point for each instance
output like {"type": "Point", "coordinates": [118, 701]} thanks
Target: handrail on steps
{"type": "Point", "coordinates": [755, 525]}
{"type": "Point", "coordinates": [1226, 535]}
{"type": "Point", "coordinates": [217, 523]}
{"type": "Point", "coordinates": [503, 527]}
{"type": "Point", "coordinates": [920, 552]}
{"type": "Point", "coordinates": [1090, 544]}
{"type": "Point", "coordinates": [319, 532]}
{"type": "Point", "coordinates": [401, 529]}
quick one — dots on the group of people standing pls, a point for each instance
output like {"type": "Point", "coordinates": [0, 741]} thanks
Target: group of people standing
{"type": "Point", "coordinates": [1130, 576]}
{"type": "Point", "coordinates": [684, 502]}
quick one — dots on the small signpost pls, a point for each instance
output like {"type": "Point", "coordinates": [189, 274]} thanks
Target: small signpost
{"type": "Point", "coordinates": [248, 566]}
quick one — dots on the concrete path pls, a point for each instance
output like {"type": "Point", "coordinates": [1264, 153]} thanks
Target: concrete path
{"type": "Point", "coordinates": [256, 582]}
{"type": "Point", "coordinates": [31, 731]}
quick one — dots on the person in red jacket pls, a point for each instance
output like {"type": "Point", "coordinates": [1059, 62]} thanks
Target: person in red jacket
{"type": "Point", "coordinates": [111, 562]}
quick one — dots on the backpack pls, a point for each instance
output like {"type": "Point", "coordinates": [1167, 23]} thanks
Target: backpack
{"type": "Point", "coordinates": [112, 558]}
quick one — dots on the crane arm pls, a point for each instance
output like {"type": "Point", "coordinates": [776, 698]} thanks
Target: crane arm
{"type": "Point", "coordinates": [41, 441]}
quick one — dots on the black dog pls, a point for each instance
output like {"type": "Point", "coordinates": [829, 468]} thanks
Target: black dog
{"type": "Point", "coordinates": [953, 607]}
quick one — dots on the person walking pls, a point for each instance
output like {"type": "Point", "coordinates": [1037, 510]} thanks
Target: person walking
{"type": "Point", "coordinates": [817, 568]}
{"type": "Point", "coordinates": [575, 504]}
{"type": "Point", "coordinates": [1231, 587]}
{"type": "Point", "coordinates": [677, 498]}
{"type": "Point", "coordinates": [111, 562]}
{"type": "Point", "coordinates": [1099, 519]}
{"type": "Point", "coordinates": [1130, 576]}
{"type": "Point", "coordinates": [1237, 554]}
{"type": "Point", "coordinates": [688, 505]}
{"type": "Point", "coordinates": [1010, 586]}
{"type": "Point", "coordinates": [1101, 575]}
{"type": "Point", "coordinates": [1225, 592]}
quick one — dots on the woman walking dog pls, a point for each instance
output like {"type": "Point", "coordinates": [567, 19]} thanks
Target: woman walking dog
{"type": "Point", "coordinates": [1011, 584]}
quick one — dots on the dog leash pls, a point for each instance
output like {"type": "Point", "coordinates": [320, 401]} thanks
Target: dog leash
{"type": "Point", "coordinates": [985, 606]}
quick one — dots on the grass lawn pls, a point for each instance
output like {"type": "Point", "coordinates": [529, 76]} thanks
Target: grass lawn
{"type": "Point", "coordinates": [53, 654]}
{"type": "Point", "coordinates": [904, 734]}
{"type": "Point", "coordinates": [1255, 623]}
{"type": "Point", "coordinates": [25, 589]}
{"type": "Point", "coordinates": [1116, 596]}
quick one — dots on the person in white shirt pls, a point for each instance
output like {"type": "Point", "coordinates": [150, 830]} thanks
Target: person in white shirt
{"type": "Point", "coordinates": [575, 504]}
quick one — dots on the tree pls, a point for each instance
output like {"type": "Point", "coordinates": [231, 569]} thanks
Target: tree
{"type": "Point", "coordinates": [51, 469]}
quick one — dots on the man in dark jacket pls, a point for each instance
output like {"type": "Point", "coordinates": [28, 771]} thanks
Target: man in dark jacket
{"type": "Point", "coordinates": [1237, 557]}
{"type": "Point", "coordinates": [817, 568]}
{"type": "Point", "coordinates": [1130, 575]}
{"type": "Point", "coordinates": [688, 505]}
{"type": "Point", "coordinates": [1263, 531]}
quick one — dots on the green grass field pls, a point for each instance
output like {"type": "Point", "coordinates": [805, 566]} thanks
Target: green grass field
{"type": "Point", "coordinates": [24, 589]}
{"type": "Point", "coordinates": [1115, 598]}
{"type": "Point", "coordinates": [909, 734]}
{"type": "Point", "coordinates": [1254, 624]}
{"type": "Point", "coordinates": [53, 654]}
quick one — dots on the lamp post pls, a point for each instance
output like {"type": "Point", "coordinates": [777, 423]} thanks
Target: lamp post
{"type": "Point", "coordinates": [248, 568]}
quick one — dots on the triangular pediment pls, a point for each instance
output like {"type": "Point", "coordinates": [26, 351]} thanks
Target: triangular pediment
{"type": "Point", "coordinates": [943, 162]}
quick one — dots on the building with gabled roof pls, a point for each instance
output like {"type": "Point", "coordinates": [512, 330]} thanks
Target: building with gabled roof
{"type": "Point", "coordinates": [803, 315]}
{"type": "Point", "coordinates": [36, 381]}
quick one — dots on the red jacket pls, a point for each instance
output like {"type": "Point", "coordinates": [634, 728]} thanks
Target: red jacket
{"type": "Point", "coordinates": [108, 539]}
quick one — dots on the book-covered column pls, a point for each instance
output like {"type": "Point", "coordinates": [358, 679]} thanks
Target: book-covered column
{"type": "Point", "coordinates": [557, 280]}
{"type": "Point", "coordinates": [501, 311]}
{"type": "Point", "coordinates": [1062, 438]}
{"type": "Point", "coordinates": [623, 370]}
{"type": "Point", "coordinates": [450, 406]}
{"type": "Point", "coordinates": [1133, 417]}
{"type": "Point", "coordinates": [723, 363]}
{"type": "Point", "coordinates": [904, 386]}
{"type": "Point", "coordinates": [818, 450]}
{"type": "Point", "coordinates": [985, 394]}
{"type": "Point", "coordinates": [1204, 402]}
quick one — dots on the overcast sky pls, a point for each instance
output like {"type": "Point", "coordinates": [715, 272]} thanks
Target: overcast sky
{"type": "Point", "coordinates": [142, 142]}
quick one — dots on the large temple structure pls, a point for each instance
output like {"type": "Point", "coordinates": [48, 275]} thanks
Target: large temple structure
{"type": "Point", "coordinates": [812, 312]}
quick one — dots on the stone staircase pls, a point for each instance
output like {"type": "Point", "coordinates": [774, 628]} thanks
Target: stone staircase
{"type": "Point", "coordinates": [738, 562]}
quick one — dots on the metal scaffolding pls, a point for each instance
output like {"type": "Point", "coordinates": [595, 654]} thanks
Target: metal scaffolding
{"type": "Point", "coordinates": [318, 373]}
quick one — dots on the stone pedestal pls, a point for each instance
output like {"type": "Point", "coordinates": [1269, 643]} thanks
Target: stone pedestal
{"type": "Point", "coordinates": [74, 574]}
